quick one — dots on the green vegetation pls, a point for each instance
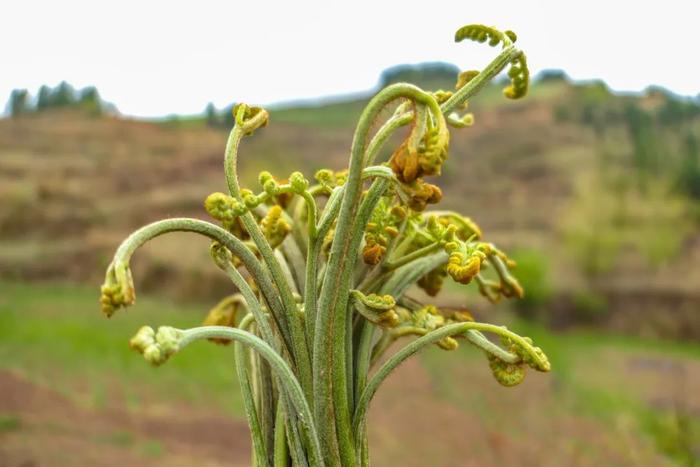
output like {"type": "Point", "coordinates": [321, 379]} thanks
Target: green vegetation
{"type": "Point", "coordinates": [328, 266]}
{"type": "Point", "coordinates": [9, 423]}
{"type": "Point", "coordinates": [151, 448]}
{"type": "Point", "coordinates": [214, 118]}
{"type": "Point", "coordinates": [533, 273]}
{"type": "Point", "coordinates": [689, 172]}
{"type": "Point", "coordinates": [52, 335]}
{"type": "Point", "coordinates": [62, 97]}
{"type": "Point", "coordinates": [661, 131]}
{"type": "Point", "coordinates": [18, 103]}
{"type": "Point", "coordinates": [607, 216]}
{"type": "Point", "coordinates": [327, 115]}
{"type": "Point", "coordinates": [435, 75]}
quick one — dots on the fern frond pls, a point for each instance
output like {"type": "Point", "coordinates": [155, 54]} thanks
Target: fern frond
{"type": "Point", "coordinates": [518, 73]}
{"type": "Point", "coordinates": [482, 33]}
{"type": "Point", "coordinates": [519, 76]}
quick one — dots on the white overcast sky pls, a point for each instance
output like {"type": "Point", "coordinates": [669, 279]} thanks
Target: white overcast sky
{"type": "Point", "coordinates": [153, 57]}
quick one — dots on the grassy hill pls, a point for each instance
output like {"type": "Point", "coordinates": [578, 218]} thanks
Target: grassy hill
{"type": "Point", "coordinates": [593, 191]}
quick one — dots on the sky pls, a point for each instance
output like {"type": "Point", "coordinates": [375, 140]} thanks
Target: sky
{"type": "Point", "coordinates": [152, 58]}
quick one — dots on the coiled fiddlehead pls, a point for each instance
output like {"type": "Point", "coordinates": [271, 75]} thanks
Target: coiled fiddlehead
{"type": "Point", "coordinates": [518, 73]}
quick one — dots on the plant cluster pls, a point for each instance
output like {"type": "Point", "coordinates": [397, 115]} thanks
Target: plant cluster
{"type": "Point", "coordinates": [322, 270]}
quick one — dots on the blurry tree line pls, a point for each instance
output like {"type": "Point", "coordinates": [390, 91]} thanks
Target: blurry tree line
{"type": "Point", "coordinates": [661, 128]}
{"type": "Point", "coordinates": [219, 118]}
{"type": "Point", "coordinates": [428, 75]}
{"type": "Point", "coordinates": [63, 96]}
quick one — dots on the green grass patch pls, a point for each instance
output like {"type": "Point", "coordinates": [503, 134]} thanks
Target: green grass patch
{"type": "Point", "coordinates": [324, 115]}
{"type": "Point", "coordinates": [54, 334]}
{"type": "Point", "coordinates": [152, 448]}
{"type": "Point", "coordinates": [9, 423]}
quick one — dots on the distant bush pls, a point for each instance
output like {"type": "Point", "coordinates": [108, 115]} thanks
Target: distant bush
{"type": "Point", "coordinates": [89, 100]}
{"type": "Point", "coordinates": [43, 100]}
{"type": "Point", "coordinates": [211, 115]}
{"type": "Point", "coordinates": [677, 110]}
{"type": "Point", "coordinates": [18, 103]}
{"type": "Point", "coordinates": [645, 141]}
{"type": "Point", "coordinates": [689, 171]}
{"type": "Point", "coordinates": [64, 95]}
{"type": "Point", "coordinates": [533, 273]}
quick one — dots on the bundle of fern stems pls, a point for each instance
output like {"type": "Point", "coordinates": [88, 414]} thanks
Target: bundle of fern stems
{"type": "Point", "coordinates": [321, 272]}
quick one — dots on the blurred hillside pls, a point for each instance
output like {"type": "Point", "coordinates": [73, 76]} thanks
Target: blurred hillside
{"type": "Point", "coordinates": [597, 194]}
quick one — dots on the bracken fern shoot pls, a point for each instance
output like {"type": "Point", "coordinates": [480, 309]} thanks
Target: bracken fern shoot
{"type": "Point", "coordinates": [321, 271]}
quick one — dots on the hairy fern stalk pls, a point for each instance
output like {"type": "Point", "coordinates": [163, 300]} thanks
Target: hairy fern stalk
{"type": "Point", "coordinates": [321, 272]}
